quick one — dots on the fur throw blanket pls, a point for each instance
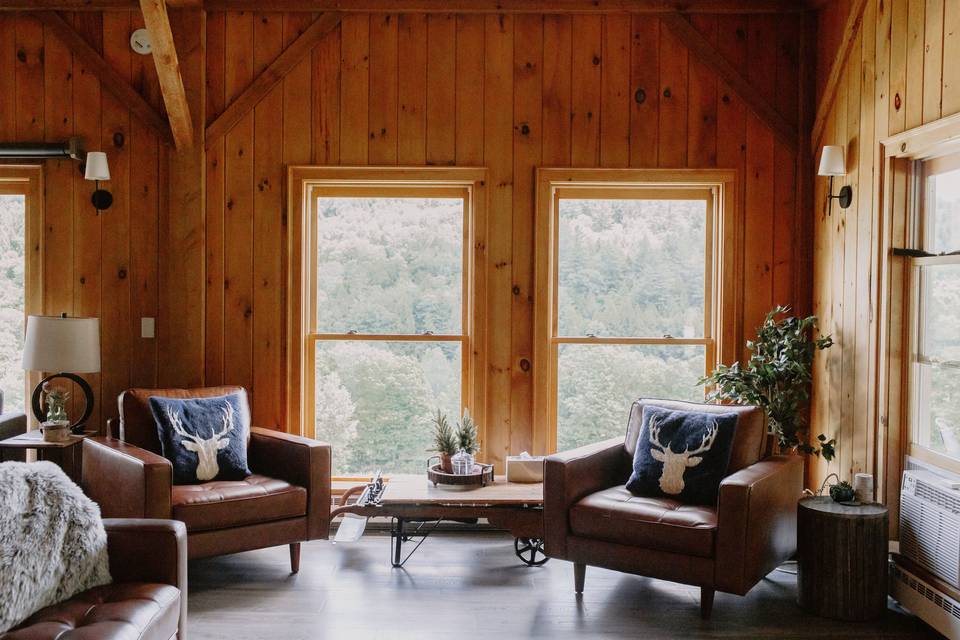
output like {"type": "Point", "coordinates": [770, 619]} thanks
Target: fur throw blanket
{"type": "Point", "coordinates": [52, 541]}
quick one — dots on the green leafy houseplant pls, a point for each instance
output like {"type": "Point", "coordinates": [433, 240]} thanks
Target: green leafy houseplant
{"type": "Point", "coordinates": [445, 441]}
{"type": "Point", "coordinates": [777, 378]}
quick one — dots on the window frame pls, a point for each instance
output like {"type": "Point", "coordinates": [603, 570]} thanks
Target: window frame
{"type": "Point", "coordinates": [722, 329]}
{"type": "Point", "coordinates": [27, 180]}
{"type": "Point", "coordinates": [920, 230]}
{"type": "Point", "coordinates": [305, 184]}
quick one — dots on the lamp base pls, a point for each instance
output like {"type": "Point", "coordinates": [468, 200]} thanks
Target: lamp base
{"type": "Point", "coordinates": [101, 199]}
{"type": "Point", "coordinates": [845, 199]}
{"type": "Point", "coordinates": [80, 382]}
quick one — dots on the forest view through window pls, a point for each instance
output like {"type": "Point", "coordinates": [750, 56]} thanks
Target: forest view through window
{"type": "Point", "coordinates": [633, 304]}
{"type": "Point", "coordinates": [12, 299]}
{"type": "Point", "coordinates": [390, 325]}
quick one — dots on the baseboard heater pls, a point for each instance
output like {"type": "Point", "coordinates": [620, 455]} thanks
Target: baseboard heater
{"type": "Point", "coordinates": [929, 598]}
{"type": "Point", "coordinates": [72, 148]}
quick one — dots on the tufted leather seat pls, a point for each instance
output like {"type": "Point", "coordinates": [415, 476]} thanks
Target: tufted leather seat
{"type": "Point", "coordinates": [616, 515]}
{"type": "Point", "coordinates": [129, 610]}
{"type": "Point", "coordinates": [225, 503]}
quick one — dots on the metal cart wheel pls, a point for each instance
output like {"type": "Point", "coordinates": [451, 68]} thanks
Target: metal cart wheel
{"type": "Point", "coordinates": [530, 551]}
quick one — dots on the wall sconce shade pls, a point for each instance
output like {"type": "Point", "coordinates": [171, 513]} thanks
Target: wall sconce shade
{"type": "Point", "coordinates": [97, 170]}
{"type": "Point", "coordinates": [833, 164]}
{"type": "Point", "coordinates": [97, 167]}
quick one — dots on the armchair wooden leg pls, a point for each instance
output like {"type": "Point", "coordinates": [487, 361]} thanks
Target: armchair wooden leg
{"type": "Point", "coordinates": [706, 602]}
{"type": "Point", "coordinates": [295, 557]}
{"type": "Point", "coordinates": [579, 575]}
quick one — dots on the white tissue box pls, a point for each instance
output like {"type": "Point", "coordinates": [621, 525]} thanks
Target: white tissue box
{"type": "Point", "coordinates": [525, 468]}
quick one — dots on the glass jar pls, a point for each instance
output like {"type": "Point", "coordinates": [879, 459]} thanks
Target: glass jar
{"type": "Point", "coordinates": [463, 463]}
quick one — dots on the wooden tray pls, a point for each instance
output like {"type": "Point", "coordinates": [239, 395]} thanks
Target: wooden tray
{"type": "Point", "coordinates": [482, 476]}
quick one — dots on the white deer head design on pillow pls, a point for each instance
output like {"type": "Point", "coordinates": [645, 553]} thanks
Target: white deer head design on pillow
{"type": "Point", "coordinates": [676, 464]}
{"type": "Point", "coordinates": [205, 448]}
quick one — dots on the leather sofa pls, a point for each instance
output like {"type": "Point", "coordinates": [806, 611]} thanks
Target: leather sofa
{"type": "Point", "coordinates": [285, 501]}
{"type": "Point", "coordinates": [147, 598]}
{"type": "Point", "coordinates": [591, 519]}
{"type": "Point", "coordinates": [12, 423]}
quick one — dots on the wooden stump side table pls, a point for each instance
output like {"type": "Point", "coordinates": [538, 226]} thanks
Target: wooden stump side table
{"type": "Point", "coordinates": [67, 455]}
{"type": "Point", "coordinates": [842, 552]}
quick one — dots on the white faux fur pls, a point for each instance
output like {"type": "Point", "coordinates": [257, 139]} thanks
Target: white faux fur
{"type": "Point", "coordinates": [52, 541]}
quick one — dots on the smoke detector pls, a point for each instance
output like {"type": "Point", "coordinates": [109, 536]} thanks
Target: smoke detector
{"type": "Point", "coordinates": [140, 42]}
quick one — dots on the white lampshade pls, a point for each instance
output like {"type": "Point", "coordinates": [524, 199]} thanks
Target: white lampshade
{"type": "Point", "coordinates": [97, 168]}
{"type": "Point", "coordinates": [832, 162]}
{"type": "Point", "coordinates": [70, 345]}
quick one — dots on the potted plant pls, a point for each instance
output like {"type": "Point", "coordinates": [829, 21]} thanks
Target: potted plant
{"type": "Point", "coordinates": [777, 379]}
{"type": "Point", "coordinates": [467, 438]}
{"type": "Point", "coordinates": [445, 441]}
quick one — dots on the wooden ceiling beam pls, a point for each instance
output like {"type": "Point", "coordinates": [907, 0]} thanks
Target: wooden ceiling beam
{"type": "Point", "coordinates": [431, 6]}
{"type": "Point", "coordinates": [850, 31]}
{"type": "Point", "coordinates": [713, 59]}
{"type": "Point", "coordinates": [274, 73]}
{"type": "Point", "coordinates": [168, 71]}
{"type": "Point", "coordinates": [110, 80]}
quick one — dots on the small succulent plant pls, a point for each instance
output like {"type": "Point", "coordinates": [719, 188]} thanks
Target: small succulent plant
{"type": "Point", "coordinates": [842, 492]}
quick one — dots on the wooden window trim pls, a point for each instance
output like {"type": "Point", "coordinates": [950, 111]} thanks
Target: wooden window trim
{"type": "Point", "coordinates": [302, 181]}
{"type": "Point", "coordinates": [902, 191]}
{"type": "Point", "coordinates": [723, 283]}
{"type": "Point", "coordinates": [27, 179]}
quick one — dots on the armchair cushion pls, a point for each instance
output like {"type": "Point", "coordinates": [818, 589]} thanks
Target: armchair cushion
{"type": "Point", "coordinates": [682, 454]}
{"type": "Point", "coordinates": [232, 503]}
{"type": "Point", "coordinates": [661, 524]}
{"type": "Point", "coordinates": [204, 438]}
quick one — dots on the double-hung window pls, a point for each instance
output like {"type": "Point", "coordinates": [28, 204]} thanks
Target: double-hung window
{"type": "Point", "coordinates": [388, 326]}
{"type": "Point", "coordinates": [628, 295]}
{"type": "Point", "coordinates": [935, 371]}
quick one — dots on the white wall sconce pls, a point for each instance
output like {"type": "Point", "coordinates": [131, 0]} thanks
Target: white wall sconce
{"type": "Point", "coordinates": [833, 164]}
{"type": "Point", "coordinates": [97, 170]}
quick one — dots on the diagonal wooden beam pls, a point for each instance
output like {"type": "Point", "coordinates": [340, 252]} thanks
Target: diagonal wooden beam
{"type": "Point", "coordinates": [168, 71]}
{"type": "Point", "coordinates": [273, 74]}
{"type": "Point", "coordinates": [711, 57]}
{"type": "Point", "coordinates": [110, 80]}
{"type": "Point", "coordinates": [850, 31]}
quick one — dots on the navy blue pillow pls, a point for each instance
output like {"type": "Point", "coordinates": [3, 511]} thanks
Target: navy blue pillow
{"type": "Point", "coordinates": [204, 438]}
{"type": "Point", "coordinates": [682, 454]}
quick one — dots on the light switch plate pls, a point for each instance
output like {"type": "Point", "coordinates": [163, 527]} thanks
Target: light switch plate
{"type": "Point", "coordinates": [148, 327]}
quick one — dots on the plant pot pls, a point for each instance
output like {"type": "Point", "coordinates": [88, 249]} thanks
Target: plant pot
{"type": "Point", "coordinates": [56, 431]}
{"type": "Point", "coordinates": [446, 463]}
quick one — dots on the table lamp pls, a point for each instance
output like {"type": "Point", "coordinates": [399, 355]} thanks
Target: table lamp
{"type": "Point", "coordinates": [67, 346]}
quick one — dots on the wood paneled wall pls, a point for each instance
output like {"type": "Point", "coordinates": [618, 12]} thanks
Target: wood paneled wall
{"type": "Point", "coordinates": [901, 73]}
{"type": "Point", "coordinates": [509, 92]}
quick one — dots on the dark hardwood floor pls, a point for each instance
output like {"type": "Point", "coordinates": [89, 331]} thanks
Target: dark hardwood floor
{"type": "Point", "coordinates": [460, 582]}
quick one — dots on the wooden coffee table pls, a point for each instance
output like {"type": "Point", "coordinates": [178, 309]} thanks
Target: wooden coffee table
{"type": "Point", "coordinates": [414, 500]}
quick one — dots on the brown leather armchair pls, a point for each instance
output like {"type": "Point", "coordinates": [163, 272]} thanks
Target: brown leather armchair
{"type": "Point", "coordinates": [285, 501]}
{"type": "Point", "coordinates": [591, 519]}
{"type": "Point", "coordinates": [147, 598]}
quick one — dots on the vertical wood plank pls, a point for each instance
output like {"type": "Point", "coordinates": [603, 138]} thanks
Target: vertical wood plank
{"type": "Point", "coordinates": [557, 51]}
{"type": "Point", "coordinates": [354, 88]}
{"type": "Point", "coordinates": [951, 54]}
{"type": "Point", "coordinates": [115, 324]}
{"type": "Point", "coordinates": [8, 72]}
{"type": "Point", "coordinates": [215, 204]}
{"type": "Point", "coordinates": [383, 89]}
{"type": "Point", "coordinates": [915, 57]}
{"type": "Point", "coordinates": [527, 150]}
{"type": "Point", "coordinates": [615, 92]}
{"type": "Point", "coordinates": [702, 109]}
{"type": "Point", "coordinates": [325, 92]}
{"type": "Point", "coordinates": [585, 91]}
{"type": "Point", "coordinates": [932, 60]}
{"type": "Point", "coordinates": [898, 66]}
{"type": "Point", "coordinates": [267, 408]}
{"type": "Point", "coordinates": [498, 156]}
{"type": "Point", "coordinates": [29, 79]}
{"type": "Point", "coordinates": [145, 187]}
{"type": "Point", "coordinates": [441, 88]}
{"type": "Point", "coordinates": [238, 214]}
{"type": "Point", "coordinates": [412, 119]}
{"type": "Point", "coordinates": [469, 93]}
{"type": "Point", "coordinates": [645, 90]}
{"type": "Point", "coordinates": [785, 168]}
{"type": "Point", "coordinates": [673, 101]}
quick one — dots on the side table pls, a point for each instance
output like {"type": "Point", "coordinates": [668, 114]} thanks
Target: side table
{"type": "Point", "coordinates": [68, 454]}
{"type": "Point", "coordinates": [842, 559]}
